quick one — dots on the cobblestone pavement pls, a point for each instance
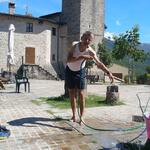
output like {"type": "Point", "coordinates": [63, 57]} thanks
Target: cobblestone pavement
{"type": "Point", "coordinates": [33, 128]}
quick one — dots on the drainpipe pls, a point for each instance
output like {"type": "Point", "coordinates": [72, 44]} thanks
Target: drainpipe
{"type": "Point", "coordinates": [58, 34]}
{"type": "Point", "coordinates": [58, 43]}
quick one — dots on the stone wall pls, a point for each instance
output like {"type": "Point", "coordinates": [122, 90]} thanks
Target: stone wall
{"type": "Point", "coordinates": [41, 39]}
{"type": "Point", "coordinates": [71, 15]}
{"type": "Point", "coordinates": [84, 15]}
{"type": "Point", "coordinates": [115, 68]}
{"type": "Point", "coordinates": [92, 18]}
{"type": "Point", "coordinates": [77, 17]}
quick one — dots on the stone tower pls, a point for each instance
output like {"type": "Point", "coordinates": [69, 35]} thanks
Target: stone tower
{"type": "Point", "coordinates": [83, 15]}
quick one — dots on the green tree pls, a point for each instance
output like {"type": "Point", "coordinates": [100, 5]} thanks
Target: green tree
{"type": "Point", "coordinates": [126, 45]}
{"type": "Point", "coordinates": [104, 54]}
{"type": "Point", "coordinates": [148, 69]}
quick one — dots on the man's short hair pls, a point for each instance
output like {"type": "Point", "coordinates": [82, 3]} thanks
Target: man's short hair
{"type": "Point", "coordinates": [87, 33]}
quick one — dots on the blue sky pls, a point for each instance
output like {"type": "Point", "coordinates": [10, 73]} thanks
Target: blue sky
{"type": "Point", "coordinates": [120, 15]}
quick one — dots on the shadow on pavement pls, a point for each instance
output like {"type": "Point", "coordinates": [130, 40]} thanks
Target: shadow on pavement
{"type": "Point", "coordinates": [8, 92]}
{"type": "Point", "coordinates": [33, 121]}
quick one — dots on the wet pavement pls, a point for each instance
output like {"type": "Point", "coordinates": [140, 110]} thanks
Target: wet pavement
{"type": "Point", "coordinates": [37, 127]}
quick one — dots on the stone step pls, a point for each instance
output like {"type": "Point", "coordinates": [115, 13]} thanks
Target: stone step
{"type": "Point", "coordinates": [37, 72]}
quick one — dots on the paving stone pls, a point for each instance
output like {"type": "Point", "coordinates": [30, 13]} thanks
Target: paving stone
{"type": "Point", "coordinates": [33, 128]}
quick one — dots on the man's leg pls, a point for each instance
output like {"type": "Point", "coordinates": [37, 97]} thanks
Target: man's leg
{"type": "Point", "coordinates": [147, 145]}
{"type": "Point", "coordinates": [82, 103]}
{"type": "Point", "coordinates": [73, 97]}
{"type": "Point", "coordinates": [1, 85]}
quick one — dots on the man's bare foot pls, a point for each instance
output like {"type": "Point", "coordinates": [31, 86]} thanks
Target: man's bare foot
{"type": "Point", "coordinates": [73, 119]}
{"type": "Point", "coordinates": [81, 122]}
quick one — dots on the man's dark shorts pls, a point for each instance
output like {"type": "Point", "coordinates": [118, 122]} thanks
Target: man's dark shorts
{"type": "Point", "coordinates": [75, 79]}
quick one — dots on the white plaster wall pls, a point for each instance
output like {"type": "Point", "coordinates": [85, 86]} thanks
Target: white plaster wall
{"type": "Point", "coordinates": [63, 44]}
{"type": "Point", "coordinates": [40, 39]}
{"type": "Point", "coordinates": [115, 68]}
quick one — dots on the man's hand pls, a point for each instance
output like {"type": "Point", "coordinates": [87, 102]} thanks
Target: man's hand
{"type": "Point", "coordinates": [111, 77]}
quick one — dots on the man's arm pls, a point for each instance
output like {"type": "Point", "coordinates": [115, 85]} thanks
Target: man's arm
{"type": "Point", "coordinates": [71, 58]}
{"type": "Point", "coordinates": [101, 65]}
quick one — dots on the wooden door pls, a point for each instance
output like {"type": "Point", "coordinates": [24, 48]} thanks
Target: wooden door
{"type": "Point", "coordinates": [30, 55]}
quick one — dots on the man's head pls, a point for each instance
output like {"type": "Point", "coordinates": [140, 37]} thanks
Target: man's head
{"type": "Point", "coordinates": [87, 37]}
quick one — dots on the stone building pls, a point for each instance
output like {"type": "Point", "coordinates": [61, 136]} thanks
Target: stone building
{"type": "Point", "coordinates": [119, 71]}
{"type": "Point", "coordinates": [44, 40]}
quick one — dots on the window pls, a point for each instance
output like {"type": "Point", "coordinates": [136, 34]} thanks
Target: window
{"type": "Point", "coordinates": [29, 27]}
{"type": "Point", "coordinates": [53, 57]}
{"type": "Point", "coordinates": [54, 31]}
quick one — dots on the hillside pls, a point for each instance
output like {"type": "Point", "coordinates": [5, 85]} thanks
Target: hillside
{"type": "Point", "coordinates": [145, 46]}
{"type": "Point", "coordinates": [139, 67]}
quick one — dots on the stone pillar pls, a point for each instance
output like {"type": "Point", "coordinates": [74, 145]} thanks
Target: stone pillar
{"type": "Point", "coordinates": [81, 16]}
{"type": "Point", "coordinates": [112, 94]}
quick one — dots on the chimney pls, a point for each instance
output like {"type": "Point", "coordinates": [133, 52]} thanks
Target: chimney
{"type": "Point", "coordinates": [11, 8]}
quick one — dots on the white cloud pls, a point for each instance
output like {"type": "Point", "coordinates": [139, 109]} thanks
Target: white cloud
{"type": "Point", "coordinates": [109, 35]}
{"type": "Point", "coordinates": [118, 23]}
